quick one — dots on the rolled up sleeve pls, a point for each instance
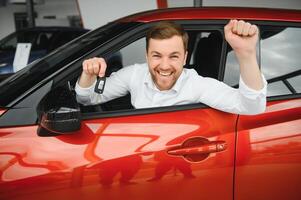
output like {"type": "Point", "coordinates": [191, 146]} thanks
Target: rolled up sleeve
{"type": "Point", "coordinates": [253, 100]}
{"type": "Point", "coordinates": [83, 95]}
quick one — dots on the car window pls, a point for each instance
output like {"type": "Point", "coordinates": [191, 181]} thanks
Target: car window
{"type": "Point", "coordinates": [60, 38]}
{"type": "Point", "coordinates": [205, 51]}
{"type": "Point", "coordinates": [9, 44]}
{"type": "Point", "coordinates": [279, 60]}
{"type": "Point", "coordinates": [43, 41]}
{"type": "Point", "coordinates": [231, 76]}
{"type": "Point", "coordinates": [232, 73]}
{"type": "Point", "coordinates": [20, 37]}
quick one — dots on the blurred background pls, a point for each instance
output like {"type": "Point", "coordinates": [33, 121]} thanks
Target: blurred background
{"type": "Point", "coordinates": [90, 14]}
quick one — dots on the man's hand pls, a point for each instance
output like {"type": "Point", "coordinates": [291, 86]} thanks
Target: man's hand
{"type": "Point", "coordinates": [242, 36]}
{"type": "Point", "coordinates": [92, 68]}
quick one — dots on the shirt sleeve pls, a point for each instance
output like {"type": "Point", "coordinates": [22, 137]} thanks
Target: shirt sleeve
{"type": "Point", "coordinates": [117, 85]}
{"type": "Point", "coordinates": [243, 100]}
{"type": "Point", "coordinates": [83, 95]}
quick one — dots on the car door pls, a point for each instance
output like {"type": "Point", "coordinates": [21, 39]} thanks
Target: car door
{"type": "Point", "coordinates": [173, 152]}
{"type": "Point", "coordinates": [269, 144]}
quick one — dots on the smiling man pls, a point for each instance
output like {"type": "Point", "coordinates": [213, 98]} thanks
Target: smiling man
{"type": "Point", "coordinates": [163, 81]}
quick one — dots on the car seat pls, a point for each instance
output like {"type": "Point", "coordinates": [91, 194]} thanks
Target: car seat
{"type": "Point", "coordinates": [208, 54]}
{"type": "Point", "coordinates": [44, 42]}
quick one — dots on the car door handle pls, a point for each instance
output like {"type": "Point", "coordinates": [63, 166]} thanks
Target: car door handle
{"type": "Point", "coordinates": [210, 147]}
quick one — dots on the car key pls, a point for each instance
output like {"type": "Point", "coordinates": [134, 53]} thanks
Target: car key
{"type": "Point", "coordinates": [100, 85]}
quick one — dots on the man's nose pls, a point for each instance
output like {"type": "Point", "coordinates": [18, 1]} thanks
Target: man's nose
{"type": "Point", "coordinates": [165, 63]}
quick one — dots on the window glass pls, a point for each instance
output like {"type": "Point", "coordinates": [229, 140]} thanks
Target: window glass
{"type": "Point", "coordinates": [231, 76]}
{"type": "Point", "coordinates": [277, 88]}
{"type": "Point", "coordinates": [9, 44]}
{"type": "Point", "coordinates": [134, 53]}
{"type": "Point", "coordinates": [279, 60]}
{"type": "Point", "coordinates": [232, 71]}
{"type": "Point", "coordinates": [20, 37]}
{"type": "Point", "coordinates": [131, 54]}
{"type": "Point", "coordinates": [43, 41]}
{"type": "Point", "coordinates": [296, 83]}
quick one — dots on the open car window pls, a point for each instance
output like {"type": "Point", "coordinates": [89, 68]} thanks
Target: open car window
{"type": "Point", "coordinates": [205, 51]}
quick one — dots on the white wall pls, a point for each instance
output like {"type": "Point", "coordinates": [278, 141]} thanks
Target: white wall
{"type": "Point", "coordinates": [59, 8]}
{"type": "Point", "coordinates": [96, 13]}
{"type": "Point", "coordinates": [7, 23]}
{"type": "Point", "coordinates": [180, 3]}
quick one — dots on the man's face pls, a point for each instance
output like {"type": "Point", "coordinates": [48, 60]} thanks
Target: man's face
{"type": "Point", "coordinates": [166, 58]}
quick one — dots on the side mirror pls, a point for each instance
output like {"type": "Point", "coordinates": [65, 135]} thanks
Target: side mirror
{"type": "Point", "coordinates": [59, 113]}
{"type": "Point", "coordinates": [61, 120]}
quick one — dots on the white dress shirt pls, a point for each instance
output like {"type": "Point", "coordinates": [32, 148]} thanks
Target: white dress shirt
{"type": "Point", "coordinates": [189, 88]}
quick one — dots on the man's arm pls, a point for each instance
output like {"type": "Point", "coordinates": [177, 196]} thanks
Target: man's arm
{"type": "Point", "coordinates": [117, 84]}
{"type": "Point", "coordinates": [243, 36]}
{"type": "Point", "coordinates": [92, 68]}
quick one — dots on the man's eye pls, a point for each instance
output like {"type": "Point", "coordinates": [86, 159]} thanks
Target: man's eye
{"type": "Point", "coordinates": [156, 56]}
{"type": "Point", "coordinates": [174, 57]}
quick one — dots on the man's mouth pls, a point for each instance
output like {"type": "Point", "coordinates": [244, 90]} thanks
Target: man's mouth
{"type": "Point", "coordinates": [164, 73]}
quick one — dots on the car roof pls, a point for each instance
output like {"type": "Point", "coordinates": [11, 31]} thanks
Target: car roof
{"type": "Point", "coordinates": [215, 13]}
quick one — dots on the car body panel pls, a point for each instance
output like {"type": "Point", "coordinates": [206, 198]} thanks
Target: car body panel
{"type": "Point", "coordinates": [269, 153]}
{"type": "Point", "coordinates": [125, 153]}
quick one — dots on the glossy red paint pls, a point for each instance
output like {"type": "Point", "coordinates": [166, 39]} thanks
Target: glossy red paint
{"type": "Point", "coordinates": [269, 144]}
{"type": "Point", "coordinates": [2, 111]}
{"type": "Point", "coordinates": [120, 158]}
{"type": "Point", "coordinates": [217, 13]}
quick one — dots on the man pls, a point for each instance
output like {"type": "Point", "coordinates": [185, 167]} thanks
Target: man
{"type": "Point", "coordinates": [163, 81]}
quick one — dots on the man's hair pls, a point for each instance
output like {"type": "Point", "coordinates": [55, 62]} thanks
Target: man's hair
{"type": "Point", "coordinates": [166, 30]}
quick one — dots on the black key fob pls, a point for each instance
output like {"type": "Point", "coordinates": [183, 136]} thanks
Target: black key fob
{"type": "Point", "coordinates": [100, 85]}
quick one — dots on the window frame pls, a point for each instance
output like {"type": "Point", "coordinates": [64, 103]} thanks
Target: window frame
{"type": "Point", "coordinates": [73, 69]}
{"type": "Point", "coordinates": [134, 35]}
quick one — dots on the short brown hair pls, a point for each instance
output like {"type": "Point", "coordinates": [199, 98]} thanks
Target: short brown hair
{"type": "Point", "coordinates": [166, 30]}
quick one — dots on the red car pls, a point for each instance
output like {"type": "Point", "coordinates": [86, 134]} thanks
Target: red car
{"type": "Point", "coordinates": [53, 148]}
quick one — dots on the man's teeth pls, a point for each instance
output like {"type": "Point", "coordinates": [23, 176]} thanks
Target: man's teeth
{"type": "Point", "coordinates": [165, 73]}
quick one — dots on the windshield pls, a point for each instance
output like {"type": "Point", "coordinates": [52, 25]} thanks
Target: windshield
{"type": "Point", "coordinates": [34, 73]}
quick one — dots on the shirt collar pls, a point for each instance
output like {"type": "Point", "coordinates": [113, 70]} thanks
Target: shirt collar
{"type": "Point", "coordinates": [148, 81]}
